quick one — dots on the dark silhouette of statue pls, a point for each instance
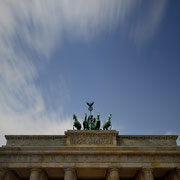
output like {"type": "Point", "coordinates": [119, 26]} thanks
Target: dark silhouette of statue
{"type": "Point", "coordinates": [90, 122]}
{"type": "Point", "coordinates": [76, 124]}
{"type": "Point", "coordinates": [107, 124]}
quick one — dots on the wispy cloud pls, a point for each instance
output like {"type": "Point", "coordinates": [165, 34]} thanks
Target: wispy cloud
{"type": "Point", "coordinates": [147, 23]}
{"type": "Point", "coordinates": [29, 32]}
{"type": "Point", "coordinates": [31, 29]}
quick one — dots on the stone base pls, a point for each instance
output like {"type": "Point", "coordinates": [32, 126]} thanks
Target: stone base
{"type": "Point", "coordinates": [91, 138]}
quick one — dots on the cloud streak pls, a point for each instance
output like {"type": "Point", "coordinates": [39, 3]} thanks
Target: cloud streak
{"type": "Point", "coordinates": [146, 25]}
{"type": "Point", "coordinates": [30, 32]}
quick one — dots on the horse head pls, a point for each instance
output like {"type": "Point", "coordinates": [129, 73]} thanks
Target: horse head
{"type": "Point", "coordinates": [74, 117]}
{"type": "Point", "coordinates": [85, 117]}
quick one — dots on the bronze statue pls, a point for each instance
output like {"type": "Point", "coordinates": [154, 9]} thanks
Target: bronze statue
{"type": "Point", "coordinates": [90, 106]}
{"type": "Point", "coordinates": [92, 123]}
{"type": "Point", "coordinates": [85, 122]}
{"type": "Point", "coordinates": [98, 122]}
{"type": "Point", "coordinates": [107, 124]}
{"type": "Point", "coordinates": [76, 124]}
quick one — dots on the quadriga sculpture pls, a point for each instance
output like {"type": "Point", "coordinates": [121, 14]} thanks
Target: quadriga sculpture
{"type": "Point", "coordinates": [76, 124]}
{"type": "Point", "coordinates": [107, 124]}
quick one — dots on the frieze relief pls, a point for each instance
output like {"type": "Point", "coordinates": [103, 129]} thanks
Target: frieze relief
{"type": "Point", "coordinates": [90, 158]}
{"type": "Point", "coordinates": [80, 139]}
{"type": "Point", "coordinates": [91, 137]}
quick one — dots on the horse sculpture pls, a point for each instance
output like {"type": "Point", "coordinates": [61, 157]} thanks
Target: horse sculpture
{"type": "Point", "coordinates": [76, 124]}
{"type": "Point", "coordinates": [98, 122]}
{"type": "Point", "coordinates": [85, 123]}
{"type": "Point", "coordinates": [107, 124]}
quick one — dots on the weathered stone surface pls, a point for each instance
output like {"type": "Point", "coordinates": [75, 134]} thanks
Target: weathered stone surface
{"type": "Point", "coordinates": [69, 174]}
{"type": "Point", "coordinates": [90, 158]}
{"type": "Point", "coordinates": [35, 174]}
{"type": "Point", "coordinates": [113, 174]}
{"type": "Point", "coordinates": [147, 140]}
{"type": "Point", "coordinates": [91, 151]}
{"type": "Point", "coordinates": [35, 140]}
{"type": "Point", "coordinates": [91, 138]}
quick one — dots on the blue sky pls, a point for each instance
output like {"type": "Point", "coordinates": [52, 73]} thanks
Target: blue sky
{"type": "Point", "coordinates": [122, 54]}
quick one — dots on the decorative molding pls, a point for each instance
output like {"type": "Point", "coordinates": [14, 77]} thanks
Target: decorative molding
{"type": "Point", "coordinates": [92, 132]}
{"type": "Point", "coordinates": [88, 158]}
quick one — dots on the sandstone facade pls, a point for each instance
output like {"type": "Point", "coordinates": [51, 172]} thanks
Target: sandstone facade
{"type": "Point", "coordinates": [90, 155]}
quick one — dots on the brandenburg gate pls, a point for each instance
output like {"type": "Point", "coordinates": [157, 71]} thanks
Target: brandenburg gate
{"type": "Point", "coordinates": [91, 153]}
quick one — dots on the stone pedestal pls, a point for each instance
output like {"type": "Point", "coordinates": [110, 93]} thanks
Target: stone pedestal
{"type": "Point", "coordinates": [69, 174]}
{"type": "Point", "coordinates": [91, 138]}
{"type": "Point", "coordinates": [35, 174]}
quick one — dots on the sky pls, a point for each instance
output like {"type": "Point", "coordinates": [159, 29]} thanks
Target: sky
{"type": "Point", "coordinates": [57, 55]}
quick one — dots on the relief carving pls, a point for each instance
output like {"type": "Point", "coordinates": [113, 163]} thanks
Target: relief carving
{"type": "Point", "coordinates": [80, 139]}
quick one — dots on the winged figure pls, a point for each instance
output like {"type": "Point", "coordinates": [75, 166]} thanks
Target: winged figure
{"type": "Point", "coordinates": [90, 104]}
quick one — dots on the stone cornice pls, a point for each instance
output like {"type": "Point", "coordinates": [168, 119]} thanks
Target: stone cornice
{"type": "Point", "coordinates": [8, 137]}
{"type": "Point", "coordinates": [31, 137]}
{"type": "Point", "coordinates": [165, 137]}
{"type": "Point", "coordinates": [91, 138]}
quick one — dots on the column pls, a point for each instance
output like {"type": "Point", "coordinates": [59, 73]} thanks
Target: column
{"type": "Point", "coordinates": [70, 174]}
{"type": "Point", "coordinates": [148, 175]}
{"type": "Point", "coordinates": [44, 176]}
{"type": "Point", "coordinates": [145, 174]}
{"type": "Point", "coordinates": [107, 175]}
{"type": "Point", "coordinates": [2, 173]}
{"type": "Point", "coordinates": [113, 174]}
{"type": "Point", "coordinates": [139, 176]}
{"type": "Point", "coordinates": [35, 174]}
{"type": "Point", "coordinates": [178, 173]}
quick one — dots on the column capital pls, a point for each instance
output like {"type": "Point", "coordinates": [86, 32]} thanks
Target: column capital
{"type": "Point", "coordinates": [147, 169]}
{"type": "Point", "coordinates": [69, 169]}
{"type": "Point", "coordinates": [148, 173]}
{"type": "Point", "coordinates": [113, 173]}
{"type": "Point", "coordinates": [35, 173]}
{"type": "Point", "coordinates": [36, 169]}
{"type": "Point", "coordinates": [69, 173]}
{"type": "Point", "coordinates": [113, 169]}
